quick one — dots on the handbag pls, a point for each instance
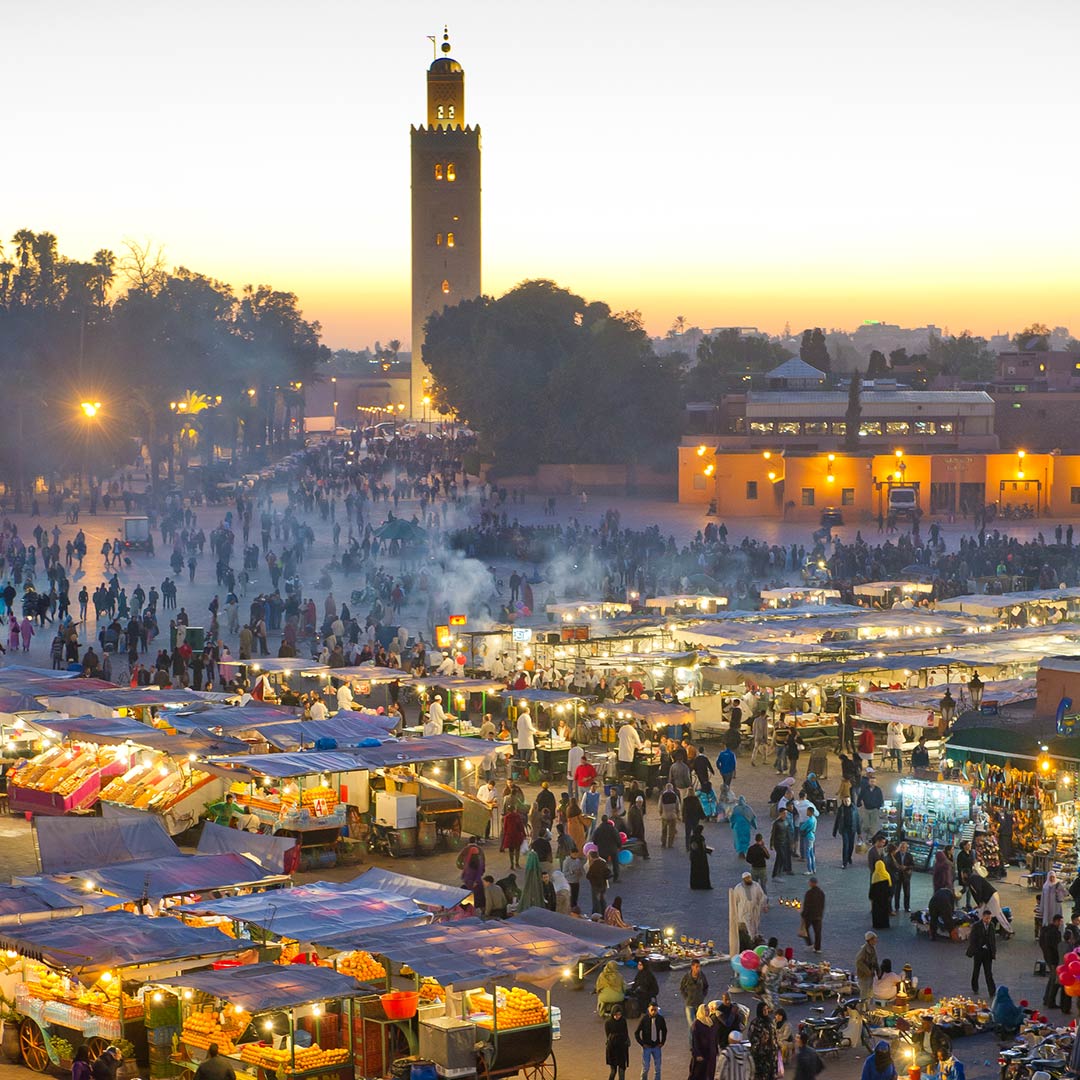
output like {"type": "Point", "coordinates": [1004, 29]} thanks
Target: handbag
{"type": "Point", "coordinates": [803, 932]}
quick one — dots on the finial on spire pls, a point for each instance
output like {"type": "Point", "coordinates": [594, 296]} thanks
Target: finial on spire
{"type": "Point", "coordinates": [446, 39]}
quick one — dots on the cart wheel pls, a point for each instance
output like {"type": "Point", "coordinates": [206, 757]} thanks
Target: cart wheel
{"type": "Point", "coordinates": [547, 1069]}
{"type": "Point", "coordinates": [95, 1047]}
{"type": "Point", "coordinates": [35, 1054]}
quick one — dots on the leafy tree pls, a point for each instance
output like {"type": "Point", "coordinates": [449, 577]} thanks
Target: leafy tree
{"type": "Point", "coordinates": [546, 376]}
{"type": "Point", "coordinates": [727, 361]}
{"type": "Point", "coordinates": [853, 415]}
{"type": "Point", "coordinates": [814, 351]}
{"type": "Point", "coordinates": [965, 356]}
{"type": "Point", "coordinates": [1033, 338]}
{"type": "Point", "coordinates": [878, 366]}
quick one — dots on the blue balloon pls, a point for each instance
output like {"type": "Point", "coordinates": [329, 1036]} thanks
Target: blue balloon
{"type": "Point", "coordinates": [626, 857]}
{"type": "Point", "coordinates": [749, 979]}
{"type": "Point", "coordinates": [736, 964]}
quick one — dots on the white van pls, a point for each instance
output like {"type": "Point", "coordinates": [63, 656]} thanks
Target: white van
{"type": "Point", "coordinates": [904, 502]}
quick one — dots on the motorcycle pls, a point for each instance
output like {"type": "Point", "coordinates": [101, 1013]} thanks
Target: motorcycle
{"type": "Point", "coordinates": [1022, 1061]}
{"type": "Point", "coordinates": [840, 1030]}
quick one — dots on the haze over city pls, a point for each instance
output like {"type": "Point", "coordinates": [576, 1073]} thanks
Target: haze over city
{"type": "Point", "coordinates": [749, 165]}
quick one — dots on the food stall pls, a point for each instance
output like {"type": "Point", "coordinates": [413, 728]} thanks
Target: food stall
{"type": "Point", "coordinates": [686, 605]}
{"type": "Point", "coordinates": [80, 980]}
{"type": "Point", "coordinates": [277, 679]}
{"type": "Point", "coordinates": [476, 1017]}
{"type": "Point", "coordinates": [64, 778]}
{"type": "Point", "coordinates": [892, 593]}
{"type": "Point", "coordinates": [460, 697]}
{"type": "Point", "coordinates": [270, 1022]}
{"type": "Point", "coordinates": [551, 749]}
{"type": "Point", "coordinates": [797, 596]}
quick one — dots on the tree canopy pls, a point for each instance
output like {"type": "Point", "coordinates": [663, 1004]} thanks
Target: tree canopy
{"type": "Point", "coordinates": [727, 361]}
{"type": "Point", "coordinates": [545, 377]}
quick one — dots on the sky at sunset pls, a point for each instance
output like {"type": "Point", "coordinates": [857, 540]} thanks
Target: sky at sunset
{"type": "Point", "coordinates": [747, 164]}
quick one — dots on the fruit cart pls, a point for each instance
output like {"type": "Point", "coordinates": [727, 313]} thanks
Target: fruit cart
{"type": "Point", "coordinates": [80, 980]}
{"type": "Point", "coordinates": [269, 1021]}
{"type": "Point", "coordinates": [63, 778]}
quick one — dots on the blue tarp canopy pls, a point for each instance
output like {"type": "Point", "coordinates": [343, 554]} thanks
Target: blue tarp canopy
{"type": "Point", "coordinates": [94, 943]}
{"type": "Point", "coordinates": [19, 900]}
{"type": "Point", "coordinates": [247, 717]}
{"type": "Point", "coordinates": [542, 697]}
{"type": "Point", "coordinates": [427, 748]}
{"type": "Point", "coordinates": [262, 987]}
{"type": "Point", "coordinates": [67, 844]}
{"type": "Point", "coordinates": [594, 935]}
{"type": "Point", "coordinates": [174, 876]}
{"type": "Point", "coordinates": [346, 729]}
{"type": "Point", "coordinates": [788, 672]}
{"type": "Point", "coordinates": [321, 908]}
{"type": "Point", "coordinates": [114, 728]}
{"type": "Point", "coordinates": [428, 893]}
{"type": "Point", "coordinates": [285, 766]}
{"type": "Point", "coordinates": [130, 698]}
{"type": "Point", "coordinates": [470, 952]}
{"type": "Point", "coordinates": [267, 851]}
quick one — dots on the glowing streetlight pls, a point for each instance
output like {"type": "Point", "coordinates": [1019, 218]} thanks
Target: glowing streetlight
{"type": "Point", "coordinates": [90, 409]}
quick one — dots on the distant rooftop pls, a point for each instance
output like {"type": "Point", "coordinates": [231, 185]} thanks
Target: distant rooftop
{"type": "Point", "coordinates": [796, 370]}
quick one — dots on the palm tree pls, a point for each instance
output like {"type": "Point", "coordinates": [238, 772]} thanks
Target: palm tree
{"type": "Point", "coordinates": [105, 264]}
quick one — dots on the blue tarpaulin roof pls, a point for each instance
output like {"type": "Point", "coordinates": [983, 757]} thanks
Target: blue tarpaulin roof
{"type": "Point", "coordinates": [429, 893]}
{"type": "Point", "coordinates": [427, 748]}
{"type": "Point", "coordinates": [268, 851]}
{"type": "Point", "coordinates": [596, 934]}
{"type": "Point", "coordinates": [469, 952]}
{"type": "Point", "coordinates": [67, 844]}
{"type": "Point", "coordinates": [114, 727]}
{"type": "Point", "coordinates": [18, 900]}
{"type": "Point", "coordinates": [173, 876]}
{"type": "Point", "coordinates": [237, 718]}
{"type": "Point", "coordinates": [92, 943]}
{"type": "Point", "coordinates": [284, 766]}
{"type": "Point", "coordinates": [345, 730]}
{"type": "Point", "coordinates": [262, 987]}
{"type": "Point", "coordinates": [320, 908]}
{"type": "Point", "coordinates": [541, 697]}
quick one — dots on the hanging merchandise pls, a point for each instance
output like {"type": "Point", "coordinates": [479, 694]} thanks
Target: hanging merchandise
{"type": "Point", "coordinates": [933, 813]}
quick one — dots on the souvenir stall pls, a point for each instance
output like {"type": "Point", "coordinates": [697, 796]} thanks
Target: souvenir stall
{"type": "Point", "coordinates": [931, 813]}
{"type": "Point", "coordinates": [82, 980]}
{"type": "Point", "coordinates": [268, 1021]}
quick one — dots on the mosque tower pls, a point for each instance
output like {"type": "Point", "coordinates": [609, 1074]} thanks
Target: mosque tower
{"type": "Point", "coordinates": [445, 210]}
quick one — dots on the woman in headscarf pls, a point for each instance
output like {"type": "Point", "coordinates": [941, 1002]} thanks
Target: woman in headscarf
{"type": "Point", "coordinates": [575, 824]}
{"type": "Point", "coordinates": [703, 1045]}
{"type": "Point", "coordinates": [699, 860]}
{"type": "Point", "coordinates": [879, 1065]}
{"type": "Point", "coordinates": [617, 1047]}
{"type": "Point", "coordinates": [743, 824]}
{"type": "Point", "coordinates": [513, 835]}
{"type": "Point", "coordinates": [943, 871]}
{"type": "Point", "coordinates": [1053, 895]}
{"type": "Point", "coordinates": [814, 791]}
{"type": "Point", "coordinates": [764, 1043]}
{"type": "Point", "coordinates": [1008, 1016]}
{"type": "Point", "coordinates": [693, 815]}
{"type": "Point", "coordinates": [610, 987]}
{"type": "Point", "coordinates": [613, 915]}
{"type": "Point", "coordinates": [880, 896]}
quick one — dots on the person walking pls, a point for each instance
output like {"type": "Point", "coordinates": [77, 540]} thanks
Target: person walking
{"type": "Point", "coordinates": [743, 823]}
{"type": "Point", "coordinates": [597, 874]}
{"type": "Point", "coordinates": [808, 1063]}
{"type": "Point", "coordinates": [905, 867]}
{"type": "Point", "coordinates": [760, 729]}
{"type": "Point", "coordinates": [880, 894]}
{"type": "Point", "coordinates": [693, 987]}
{"type": "Point", "coordinates": [617, 1049]}
{"type": "Point", "coordinates": [780, 840]}
{"type": "Point", "coordinates": [764, 1043]}
{"type": "Point", "coordinates": [871, 799]}
{"type": "Point", "coordinates": [982, 948]}
{"type": "Point", "coordinates": [750, 904]}
{"type": "Point", "coordinates": [813, 912]}
{"type": "Point", "coordinates": [669, 815]}
{"type": "Point", "coordinates": [735, 1061]}
{"type": "Point", "coordinates": [846, 823]}
{"type": "Point", "coordinates": [699, 861]}
{"type": "Point", "coordinates": [650, 1035]}
{"type": "Point", "coordinates": [757, 858]}
{"type": "Point", "coordinates": [1050, 946]}
{"type": "Point", "coordinates": [693, 814]}
{"type": "Point", "coordinates": [808, 832]}
{"type": "Point", "coordinates": [867, 967]}
{"type": "Point", "coordinates": [703, 1045]}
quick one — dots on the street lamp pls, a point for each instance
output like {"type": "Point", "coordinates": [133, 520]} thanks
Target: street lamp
{"type": "Point", "coordinates": [948, 709]}
{"type": "Point", "coordinates": [90, 409]}
{"type": "Point", "coordinates": [1020, 455]}
{"type": "Point", "coordinates": [975, 688]}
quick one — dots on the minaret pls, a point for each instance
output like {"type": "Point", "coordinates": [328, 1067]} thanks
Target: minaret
{"type": "Point", "coordinates": [445, 210]}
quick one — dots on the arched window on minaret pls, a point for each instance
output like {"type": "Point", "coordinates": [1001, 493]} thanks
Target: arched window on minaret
{"type": "Point", "coordinates": [441, 113]}
{"type": "Point", "coordinates": [449, 239]}
{"type": "Point", "coordinates": [450, 111]}
{"type": "Point", "coordinates": [445, 286]}
{"type": "Point", "coordinates": [438, 171]}
{"type": "Point", "coordinates": [438, 240]}
{"type": "Point", "coordinates": [451, 172]}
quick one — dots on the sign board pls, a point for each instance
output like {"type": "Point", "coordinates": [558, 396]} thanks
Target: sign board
{"type": "Point", "coordinates": [523, 634]}
{"type": "Point", "coordinates": [458, 620]}
{"type": "Point", "coordinates": [443, 638]}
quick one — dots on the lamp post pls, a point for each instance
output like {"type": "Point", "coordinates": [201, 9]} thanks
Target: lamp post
{"type": "Point", "coordinates": [975, 688]}
{"type": "Point", "coordinates": [333, 383]}
{"type": "Point", "coordinates": [948, 709]}
{"type": "Point", "coordinates": [90, 411]}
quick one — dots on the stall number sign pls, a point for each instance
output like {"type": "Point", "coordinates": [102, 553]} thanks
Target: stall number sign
{"type": "Point", "coordinates": [443, 640]}
{"type": "Point", "coordinates": [320, 807]}
{"type": "Point", "coordinates": [458, 620]}
{"type": "Point", "coordinates": [522, 633]}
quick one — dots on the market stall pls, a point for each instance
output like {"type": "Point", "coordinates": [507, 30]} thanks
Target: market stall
{"type": "Point", "coordinates": [686, 605]}
{"type": "Point", "coordinates": [64, 778]}
{"type": "Point", "coordinates": [932, 814]}
{"type": "Point", "coordinates": [890, 593]}
{"type": "Point", "coordinates": [269, 1022]}
{"type": "Point", "coordinates": [550, 707]}
{"type": "Point", "coordinates": [80, 980]}
{"type": "Point", "coordinates": [797, 596]}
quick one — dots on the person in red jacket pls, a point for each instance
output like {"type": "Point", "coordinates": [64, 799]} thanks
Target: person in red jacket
{"type": "Point", "coordinates": [866, 745]}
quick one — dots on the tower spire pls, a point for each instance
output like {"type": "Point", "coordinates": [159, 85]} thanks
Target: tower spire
{"type": "Point", "coordinates": [445, 38]}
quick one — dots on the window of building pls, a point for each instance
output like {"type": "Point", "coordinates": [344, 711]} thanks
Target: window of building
{"type": "Point", "coordinates": [847, 497]}
{"type": "Point", "coordinates": [808, 496]}
{"type": "Point", "coordinates": [438, 171]}
{"type": "Point", "coordinates": [925, 427]}
{"type": "Point", "coordinates": [1074, 495]}
{"type": "Point", "coordinates": [441, 113]}
{"type": "Point", "coordinates": [449, 239]}
{"type": "Point", "coordinates": [945, 427]}
{"type": "Point", "coordinates": [451, 172]}
{"type": "Point", "coordinates": [445, 286]}
{"type": "Point", "coordinates": [815, 427]}
{"type": "Point", "coordinates": [438, 239]}
{"type": "Point", "coordinates": [699, 482]}
{"type": "Point", "coordinates": [762, 427]}
{"type": "Point", "coordinates": [787, 427]}
{"type": "Point", "coordinates": [450, 111]}
{"type": "Point", "coordinates": [870, 427]}
{"type": "Point", "coordinates": [751, 490]}
{"type": "Point", "coordinates": [840, 427]}
{"type": "Point", "coordinates": [897, 427]}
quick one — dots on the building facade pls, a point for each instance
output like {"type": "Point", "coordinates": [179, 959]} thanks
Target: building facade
{"type": "Point", "coordinates": [445, 211]}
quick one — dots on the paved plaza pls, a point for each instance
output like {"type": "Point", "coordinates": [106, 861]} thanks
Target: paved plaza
{"type": "Point", "coordinates": [656, 891]}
